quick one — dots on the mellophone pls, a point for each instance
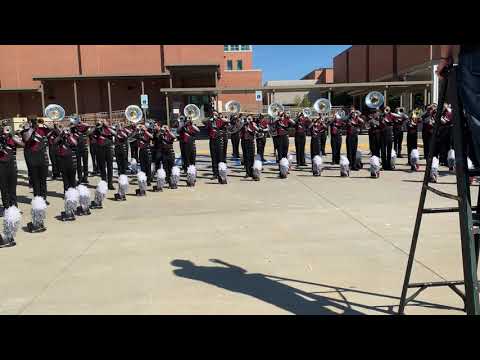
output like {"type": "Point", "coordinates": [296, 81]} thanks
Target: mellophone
{"type": "Point", "coordinates": [78, 201]}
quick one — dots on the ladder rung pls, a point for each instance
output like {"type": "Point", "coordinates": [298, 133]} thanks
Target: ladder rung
{"type": "Point", "coordinates": [441, 193]}
{"type": "Point", "coordinates": [435, 284]}
{"type": "Point", "coordinates": [448, 210]}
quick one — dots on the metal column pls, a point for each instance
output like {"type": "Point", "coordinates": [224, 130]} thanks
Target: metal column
{"type": "Point", "coordinates": [109, 99]}
{"type": "Point", "coordinates": [42, 91]}
{"type": "Point", "coordinates": [75, 95]}
{"type": "Point", "coordinates": [167, 109]}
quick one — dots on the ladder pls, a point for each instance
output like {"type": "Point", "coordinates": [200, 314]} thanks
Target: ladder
{"type": "Point", "coordinates": [468, 220]}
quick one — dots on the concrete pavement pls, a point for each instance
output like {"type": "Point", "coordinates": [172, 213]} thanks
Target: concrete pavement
{"type": "Point", "coordinates": [304, 245]}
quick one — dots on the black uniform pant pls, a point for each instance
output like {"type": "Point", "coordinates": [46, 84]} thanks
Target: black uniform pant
{"type": "Point", "coordinates": [225, 145]}
{"type": "Point", "coordinates": [168, 160]}
{"type": "Point", "coordinates": [426, 137]}
{"type": "Point", "coordinates": [39, 173]}
{"type": "Point", "coordinates": [300, 148]}
{"type": "Point", "coordinates": [323, 142]}
{"type": "Point", "coordinates": [121, 157]}
{"type": "Point", "coordinates": [336, 143]}
{"type": "Point", "coordinates": [146, 162]}
{"type": "Point", "coordinates": [189, 153]}
{"type": "Point", "coordinates": [134, 150]}
{"type": "Point", "coordinates": [397, 141]}
{"type": "Point", "coordinates": [248, 151]}
{"type": "Point", "coordinates": [157, 158]}
{"type": "Point", "coordinates": [442, 145]}
{"type": "Point", "coordinates": [8, 183]}
{"type": "Point", "coordinates": [53, 160]}
{"type": "Point", "coordinates": [282, 146]}
{"type": "Point", "coordinates": [217, 153]}
{"type": "Point", "coordinates": [29, 168]}
{"type": "Point", "coordinates": [261, 147]}
{"type": "Point", "coordinates": [105, 163]}
{"type": "Point", "coordinates": [412, 143]}
{"type": "Point", "coordinates": [375, 140]}
{"type": "Point", "coordinates": [82, 162]}
{"type": "Point", "coordinates": [235, 138]}
{"type": "Point", "coordinates": [67, 166]}
{"type": "Point", "coordinates": [93, 155]}
{"type": "Point", "coordinates": [275, 147]}
{"type": "Point", "coordinates": [352, 146]}
{"type": "Point", "coordinates": [386, 147]}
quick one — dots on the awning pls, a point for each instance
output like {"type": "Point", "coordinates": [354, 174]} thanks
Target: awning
{"type": "Point", "coordinates": [7, 90]}
{"type": "Point", "coordinates": [103, 77]}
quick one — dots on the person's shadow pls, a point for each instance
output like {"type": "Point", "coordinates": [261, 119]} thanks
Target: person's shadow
{"type": "Point", "coordinates": [236, 279]}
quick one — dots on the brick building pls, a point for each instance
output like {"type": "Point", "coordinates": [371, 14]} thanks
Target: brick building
{"type": "Point", "coordinates": [105, 78]}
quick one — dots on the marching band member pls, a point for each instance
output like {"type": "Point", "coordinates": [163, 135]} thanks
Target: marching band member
{"type": "Point", "coordinates": [187, 132]}
{"type": "Point", "coordinates": [104, 139]}
{"type": "Point", "coordinates": [355, 122]}
{"type": "Point", "coordinates": [66, 144]}
{"type": "Point", "coordinates": [235, 137]}
{"type": "Point", "coordinates": [8, 166]}
{"type": "Point", "coordinates": [428, 120]}
{"type": "Point", "coordinates": [80, 131]}
{"type": "Point", "coordinates": [336, 129]}
{"type": "Point", "coordinates": [144, 137]}
{"type": "Point", "coordinates": [52, 151]}
{"type": "Point", "coordinates": [398, 125]}
{"type": "Point", "coordinates": [317, 127]}
{"type": "Point", "coordinates": [167, 138]}
{"type": "Point", "coordinates": [444, 137]}
{"type": "Point", "coordinates": [92, 138]}
{"type": "Point", "coordinates": [216, 127]}
{"type": "Point", "coordinates": [120, 146]}
{"type": "Point", "coordinates": [412, 134]}
{"type": "Point", "coordinates": [386, 125]}
{"type": "Point", "coordinates": [247, 135]}
{"type": "Point", "coordinates": [301, 125]}
{"type": "Point", "coordinates": [375, 133]}
{"type": "Point", "coordinates": [261, 136]}
{"type": "Point", "coordinates": [282, 125]}
{"type": "Point", "coordinates": [133, 143]}
{"type": "Point", "coordinates": [34, 137]}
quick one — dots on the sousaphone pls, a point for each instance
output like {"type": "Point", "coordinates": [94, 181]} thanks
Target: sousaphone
{"type": "Point", "coordinates": [134, 114]}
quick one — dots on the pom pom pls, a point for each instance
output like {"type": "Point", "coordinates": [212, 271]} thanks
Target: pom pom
{"type": "Point", "coordinates": [222, 171]}
{"type": "Point", "coordinates": [102, 187]}
{"type": "Point", "coordinates": [72, 198]}
{"type": "Point", "coordinates": [39, 203]}
{"type": "Point", "coordinates": [317, 165]}
{"type": "Point", "coordinates": [470, 163]}
{"type": "Point", "coordinates": [434, 170]}
{"type": "Point", "coordinates": [393, 159]}
{"type": "Point", "coordinates": [175, 171]}
{"type": "Point", "coordinates": [191, 175]}
{"type": "Point", "coordinates": [344, 166]}
{"type": "Point", "coordinates": [451, 159]}
{"type": "Point", "coordinates": [11, 222]}
{"type": "Point", "coordinates": [142, 181]}
{"type": "Point", "coordinates": [175, 177]}
{"type": "Point", "coordinates": [122, 185]}
{"type": "Point", "coordinates": [414, 158]}
{"type": "Point", "coordinates": [374, 166]}
{"type": "Point", "coordinates": [133, 166]}
{"type": "Point", "coordinates": [257, 169]}
{"type": "Point", "coordinates": [161, 176]}
{"type": "Point", "coordinates": [284, 166]}
{"type": "Point", "coordinates": [84, 197]}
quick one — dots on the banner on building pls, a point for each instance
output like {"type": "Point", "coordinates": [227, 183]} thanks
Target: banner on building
{"type": "Point", "coordinates": [144, 101]}
{"type": "Point", "coordinates": [258, 96]}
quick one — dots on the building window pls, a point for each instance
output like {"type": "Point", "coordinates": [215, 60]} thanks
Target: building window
{"type": "Point", "coordinates": [226, 47]}
{"type": "Point", "coordinates": [229, 65]}
{"type": "Point", "coordinates": [235, 47]}
{"type": "Point", "coordinates": [245, 47]}
{"type": "Point", "coordinates": [239, 65]}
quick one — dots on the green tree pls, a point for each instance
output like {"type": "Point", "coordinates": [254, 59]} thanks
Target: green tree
{"type": "Point", "coordinates": [305, 102]}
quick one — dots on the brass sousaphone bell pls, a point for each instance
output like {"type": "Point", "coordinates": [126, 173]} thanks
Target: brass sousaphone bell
{"type": "Point", "coordinates": [192, 111]}
{"type": "Point", "coordinates": [374, 100]}
{"type": "Point", "coordinates": [322, 106]}
{"type": "Point", "coordinates": [54, 112]}
{"type": "Point", "coordinates": [275, 109]}
{"type": "Point", "coordinates": [134, 114]}
{"type": "Point", "coordinates": [233, 107]}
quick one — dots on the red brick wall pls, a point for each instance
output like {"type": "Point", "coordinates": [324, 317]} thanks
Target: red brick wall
{"type": "Point", "coordinates": [194, 54]}
{"type": "Point", "coordinates": [411, 55]}
{"type": "Point", "coordinates": [357, 67]}
{"type": "Point", "coordinates": [23, 104]}
{"type": "Point", "coordinates": [245, 56]}
{"type": "Point", "coordinates": [328, 77]}
{"type": "Point", "coordinates": [120, 59]}
{"type": "Point", "coordinates": [340, 67]}
{"type": "Point", "coordinates": [381, 62]}
{"type": "Point", "coordinates": [241, 79]}
{"type": "Point", "coordinates": [19, 63]}
{"type": "Point", "coordinates": [61, 93]}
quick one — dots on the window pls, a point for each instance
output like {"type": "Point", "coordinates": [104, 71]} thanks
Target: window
{"type": "Point", "coordinates": [229, 65]}
{"type": "Point", "coordinates": [226, 47]}
{"type": "Point", "coordinates": [235, 47]}
{"type": "Point", "coordinates": [239, 65]}
{"type": "Point", "coordinates": [245, 47]}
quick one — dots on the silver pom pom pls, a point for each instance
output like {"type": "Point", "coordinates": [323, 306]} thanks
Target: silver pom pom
{"type": "Point", "coordinates": [317, 165]}
{"type": "Point", "coordinates": [284, 167]}
{"type": "Point", "coordinates": [344, 166]}
{"type": "Point", "coordinates": [191, 175]}
{"type": "Point", "coordinates": [39, 207]}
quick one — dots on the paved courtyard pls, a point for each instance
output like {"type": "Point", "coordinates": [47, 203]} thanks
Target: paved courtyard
{"type": "Point", "coordinates": [303, 245]}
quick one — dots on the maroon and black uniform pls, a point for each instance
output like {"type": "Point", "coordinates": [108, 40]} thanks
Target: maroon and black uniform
{"type": "Point", "coordinates": [412, 136]}
{"type": "Point", "coordinates": [301, 125]}
{"type": "Point", "coordinates": [374, 133]}
{"type": "Point", "coordinates": [80, 132]}
{"type": "Point", "coordinates": [353, 130]}
{"type": "Point", "coordinates": [93, 151]}
{"type": "Point", "coordinates": [35, 140]}
{"type": "Point", "coordinates": [235, 137]}
{"type": "Point", "coordinates": [261, 137]}
{"type": "Point", "coordinates": [428, 120]}
{"type": "Point", "coordinates": [121, 141]}
{"type": "Point", "coordinates": [398, 126]}
{"type": "Point", "coordinates": [104, 141]}
{"type": "Point", "coordinates": [187, 133]}
{"type": "Point", "coordinates": [66, 144]}
{"type": "Point", "coordinates": [247, 135]}
{"type": "Point", "coordinates": [282, 125]}
{"type": "Point", "coordinates": [317, 128]}
{"type": "Point", "coordinates": [167, 138]}
{"type": "Point", "coordinates": [144, 138]}
{"type": "Point", "coordinates": [444, 139]}
{"type": "Point", "coordinates": [216, 128]}
{"type": "Point", "coordinates": [133, 143]}
{"type": "Point", "coordinates": [52, 151]}
{"type": "Point", "coordinates": [336, 131]}
{"type": "Point", "coordinates": [386, 125]}
{"type": "Point", "coordinates": [8, 168]}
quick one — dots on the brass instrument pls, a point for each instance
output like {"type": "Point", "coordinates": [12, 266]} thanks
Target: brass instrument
{"type": "Point", "coordinates": [192, 111]}
{"type": "Point", "coordinates": [322, 106]}
{"type": "Point", "coordinates": [54, 112]}
{"type": "Point", "coordinates": [134, 114]}
{"type": "Point", "coordinates": [275, 109]}
{"type": "Point", "coordinates": [374, 100]}
{"type": "Point", "coordinates": [232, 107]}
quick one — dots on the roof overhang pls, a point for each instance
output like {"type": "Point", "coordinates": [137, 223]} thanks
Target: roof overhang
{"type": "Point", "coordinates": [193, 91]}
{"type": "Point", "coordinates": [189, 69]}
{"type": "Point", "coordinates": [17, 90]}
{"type": "Point", "coordinates": [103, 77]}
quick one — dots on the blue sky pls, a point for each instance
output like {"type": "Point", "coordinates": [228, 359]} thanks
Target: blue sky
{"type": "Point", "coordinates": [291, 62]}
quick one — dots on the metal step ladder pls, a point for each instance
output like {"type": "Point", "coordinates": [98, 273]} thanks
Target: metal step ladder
{"type": "Point", "coordinates": [469, 222]}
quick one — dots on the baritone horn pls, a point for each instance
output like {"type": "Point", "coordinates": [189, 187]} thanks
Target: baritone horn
{"type": "Point", "coordinates": [275, 109]}
{"type": "Point", "coordinates": [374, 100]}
{"type": "Point", "coordinates": [54, 112]}
{"type": "Point", "coordinates": [233, 107]}
{"type": "Point", "coordinates": [322, 106]}
{"type": "Point", "coordinates": [134, 114]}
{"type": "Point", "coordinates": [192, 111]}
